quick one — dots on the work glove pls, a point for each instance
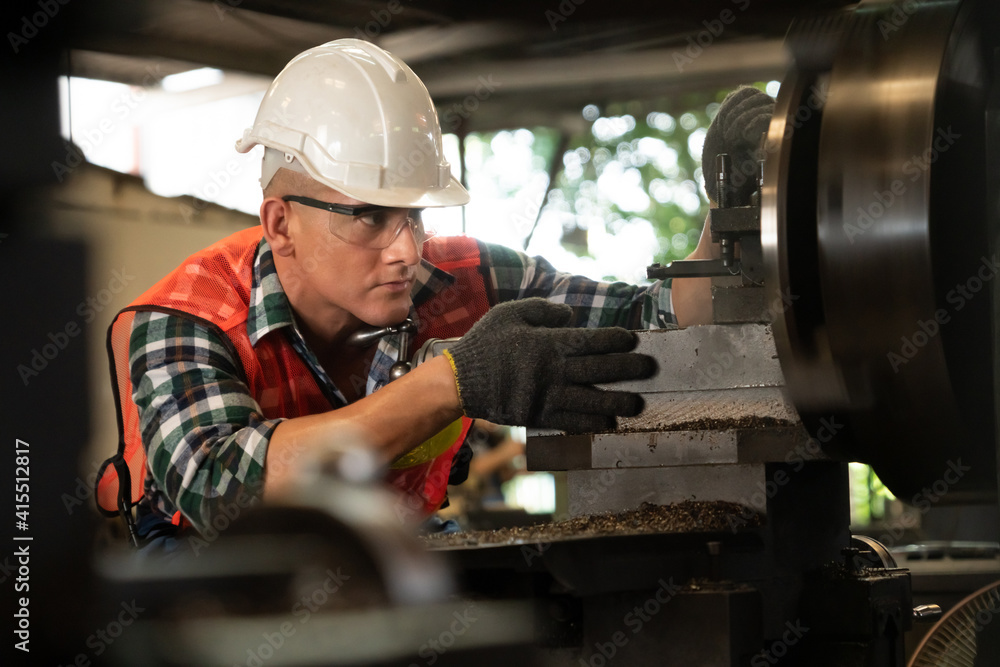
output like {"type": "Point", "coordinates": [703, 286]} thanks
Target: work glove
{"type": "Point", "coordinates": [521, 365]}
{"type": "Point", "coordinates": [737, 129]}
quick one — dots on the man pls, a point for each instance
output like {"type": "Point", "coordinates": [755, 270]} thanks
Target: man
{"type": "Point", "coordinates": [242, 358]}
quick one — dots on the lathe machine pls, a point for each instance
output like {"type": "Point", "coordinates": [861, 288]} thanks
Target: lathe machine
{"type": "Point", "coordinates": [855, 312]}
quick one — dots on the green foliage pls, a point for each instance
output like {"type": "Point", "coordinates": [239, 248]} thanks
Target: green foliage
{"type": "Point", "coordinates": [868, 496]}
{"type": "Point", "coordinates": [646, 147]}
{"type": "Point", "coordinates": [663, 174]}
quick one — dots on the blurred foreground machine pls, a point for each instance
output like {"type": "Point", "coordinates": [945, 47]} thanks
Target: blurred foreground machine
{"type": "Point", "coordinates": [856, 323]}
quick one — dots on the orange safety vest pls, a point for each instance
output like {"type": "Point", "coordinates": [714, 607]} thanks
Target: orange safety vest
{"type": "Point", "coordinates": [213, 288]}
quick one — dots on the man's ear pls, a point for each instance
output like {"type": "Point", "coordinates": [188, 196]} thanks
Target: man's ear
{"type": "Point", "coordinates": [275, 222]}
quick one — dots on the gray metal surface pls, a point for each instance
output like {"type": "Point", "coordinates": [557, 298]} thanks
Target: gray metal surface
{"type": "Point", "coordinates": [712, 625]}
{"type": "Point", "coordinates": [673, 448]}
{"type": "Point", "coordinates": [667, 448]}
{"type": "Point", "coordinates": [716, 409]}
{"type": "Point", "coordinates": [612, 490]}
{"type": "Point", "coordinates": [709, 357]}
{"type": "Point", "coordinates": [716, 398]}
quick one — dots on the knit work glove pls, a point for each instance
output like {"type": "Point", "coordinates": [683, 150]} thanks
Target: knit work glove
{"type": "Point", "coordinates": [521, 365]}
{"type": "Point", "coordinates": [737, 129]}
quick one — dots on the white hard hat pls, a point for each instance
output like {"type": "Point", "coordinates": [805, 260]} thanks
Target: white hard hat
{"type": "Point", "coordinates": [357, 119]}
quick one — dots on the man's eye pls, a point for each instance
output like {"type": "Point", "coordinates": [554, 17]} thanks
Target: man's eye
{"type": "Point", "coordinates": [374, 219]}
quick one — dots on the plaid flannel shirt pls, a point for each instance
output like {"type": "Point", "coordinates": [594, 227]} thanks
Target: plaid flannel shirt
{"type": "Point", "coordinates": [205, 437]}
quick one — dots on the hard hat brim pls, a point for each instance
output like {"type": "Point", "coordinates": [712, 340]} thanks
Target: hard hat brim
{"type": "Point", "coordinates": [451, 195]}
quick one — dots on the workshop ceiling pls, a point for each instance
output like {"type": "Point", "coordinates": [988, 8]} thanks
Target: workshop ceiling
{"type": "Point", "coordinates": [544, 60]}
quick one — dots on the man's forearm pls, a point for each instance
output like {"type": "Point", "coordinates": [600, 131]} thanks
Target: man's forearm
{"type": "Point", "coordinates": [392, 421]}
{"type": "Point", "coordinates": [692, 297]}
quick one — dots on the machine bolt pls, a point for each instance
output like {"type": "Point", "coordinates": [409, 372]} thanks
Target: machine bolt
{"type": "Point", "coordinates": [926, 613]}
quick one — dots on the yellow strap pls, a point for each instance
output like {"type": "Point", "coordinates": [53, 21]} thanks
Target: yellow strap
{"type": "Point", "coordinates": [454, 371]}
{"type": "Point", "coordinates": [431, 448]}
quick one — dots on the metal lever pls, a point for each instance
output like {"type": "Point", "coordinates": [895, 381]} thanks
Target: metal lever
{"type": "Point", "coordinates": [368, 337]}
{"type": "Point", "coordinates": [402, 367]}
{"type": "Point", "coordinates": [692, 268]}
{"type": "Point", "coordinates": [728, 224]}
{"type": "Point", "coordinates": [926, 613]}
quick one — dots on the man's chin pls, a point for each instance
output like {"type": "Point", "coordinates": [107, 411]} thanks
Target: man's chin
{"type": "Point", "coordinates": [387, 317]}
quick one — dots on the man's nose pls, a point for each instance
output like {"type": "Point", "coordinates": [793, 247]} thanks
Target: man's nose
{"type": "Point", "coordinates": [404, 248]}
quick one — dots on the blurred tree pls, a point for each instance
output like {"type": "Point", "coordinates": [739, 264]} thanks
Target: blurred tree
{"type": "Point", "coordinates": [637, 165]}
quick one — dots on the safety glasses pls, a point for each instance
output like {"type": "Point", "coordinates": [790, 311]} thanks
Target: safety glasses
{"type": "Point", "coordinates": [367, 225]}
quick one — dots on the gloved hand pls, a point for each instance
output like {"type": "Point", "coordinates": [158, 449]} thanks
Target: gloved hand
{"type": "Point", "coordinates": [743, 118]}
{"type": "Point", "coordinates": [521, 365]}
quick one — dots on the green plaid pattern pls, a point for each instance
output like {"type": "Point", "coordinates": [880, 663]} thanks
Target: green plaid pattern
{"type": "Point", "coordinates": [205, 436]}
{"type": "Point", "coordinates": [595, 304]}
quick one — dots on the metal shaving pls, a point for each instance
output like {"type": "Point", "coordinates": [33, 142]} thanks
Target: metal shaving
{"type": "Point", "coordinates": [714, 410]}
{"type": "Point", "coordinates": [690, 516]}
{"type": "Point", "coordinates": [709, 424]}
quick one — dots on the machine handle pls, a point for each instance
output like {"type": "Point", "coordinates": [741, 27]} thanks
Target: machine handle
{"type": "Point", "coordinates": [926, 613]}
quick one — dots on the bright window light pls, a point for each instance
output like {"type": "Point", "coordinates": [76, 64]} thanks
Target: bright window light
{"type": "Point", "coordinates": [534, 492]}
{"type": "Point", "coordinates": [192, 80]}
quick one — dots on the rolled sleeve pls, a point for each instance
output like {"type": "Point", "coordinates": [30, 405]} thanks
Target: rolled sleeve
{"type": "Point", "coordinates": [204, 434]}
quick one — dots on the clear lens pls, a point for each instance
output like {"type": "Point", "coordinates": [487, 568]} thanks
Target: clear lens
{"type": "Point", "coordinates": [377, 229]}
